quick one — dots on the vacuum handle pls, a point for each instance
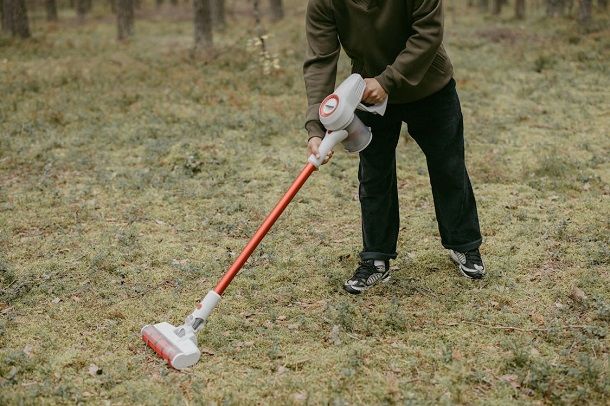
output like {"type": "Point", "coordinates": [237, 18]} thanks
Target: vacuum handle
{"type": "Point", "coordinates": [331, 139]}
{"type": "Point", "coordinates": [264, 228]}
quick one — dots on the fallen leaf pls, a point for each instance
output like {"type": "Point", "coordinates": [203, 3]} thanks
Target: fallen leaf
{"type": "Point", "coordinates": [511, 379]}
{"type": "Point", "coordinates": [299, 397]}
{"type": "Point", "coordinates": [180, 262]}
{"type": "Point", "coordinates": [559, 305]}
{"type": "Point", "coordinates": [282, 370]}
{"type": "Point", "coordinates": [56, 300]}
{"type": "Point", "coordinates": [281, 318]}
{"type": "Point", "coordinates": [27, 350]}
{"type": "Point", "coordinates": [578, 295]}
{"type": "Point", "coordinates": [94, 370]}
{"type": "Point", "coordinates": [456, 355]}
{"type": "Point", "coordinates": [293, 326]}
{"type": "Point", "coordinates": [537, 318]}
{"type": "Point", "coordinates": [334, 335]}
{"type": "Point", "coordinates": [11, 374]}
{"type": "Point", "coordinates": [206, 351]}
{"type": "Point", "coordinates": [116, 314]}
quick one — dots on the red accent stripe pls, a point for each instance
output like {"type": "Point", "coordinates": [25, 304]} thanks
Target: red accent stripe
{"type": "Point", "coordinates": [164, 348]}
{"type": "Point", "coordinates": [321, 112]}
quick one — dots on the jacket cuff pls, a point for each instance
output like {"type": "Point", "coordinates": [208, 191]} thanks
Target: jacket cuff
{"type": "Point", "coordinates": [314, 129]}
{"type": "Point", "coordinates": [386, 81]}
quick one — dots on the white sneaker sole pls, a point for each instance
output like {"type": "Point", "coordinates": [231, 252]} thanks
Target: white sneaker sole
{"type": "Point", "coordinates": [364, 289]}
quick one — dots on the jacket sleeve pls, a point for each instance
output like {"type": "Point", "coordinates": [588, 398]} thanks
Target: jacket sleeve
{"type": "Point", "coordinates": [320, 65]}
{"type": "Point", "coordinates": [411, 65]}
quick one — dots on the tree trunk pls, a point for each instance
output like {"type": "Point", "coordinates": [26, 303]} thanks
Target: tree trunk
{"type": "Point", "coordinates": [277, 10]}
{"type": "Point", "coordinates": [203, 24]}
{"type": "Point", "coordinates": [484, 5]}
{"type": "Point", "coordinates": [5, 6]}
{"type": "Point", "coordinates": [125, 13]}
{"type": "Point", "coordinates": [51, 10]}
{"type": "Point", "coordinates": [81, 9]}
{"type": "Point", "coordinates": [555, 8]}
{"type": "Point", "coordinates": [218, 14]}
{"type": "Point", "coordinates": [584, 11]}
{"type": "Point", "coordinates": [602, 4]}
{"type": "Point", "coordinates": [520, 9]}
{"type": "Point", "coordinates": [15, 18]}
{"type": "Point", "coordinates": [159, 3]}
{"type": "Point", "coordinates": [496, 7]}
{"type": "Point", "coordinates": [174, 2]}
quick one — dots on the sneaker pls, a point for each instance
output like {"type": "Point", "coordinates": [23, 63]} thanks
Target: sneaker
{"type": "Point", "coordinates": [469, 262]}
{"type": "Point", "coordinates": [367, 275]}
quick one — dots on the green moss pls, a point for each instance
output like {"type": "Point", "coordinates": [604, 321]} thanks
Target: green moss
{"type": "Point", "coordinates": [131, 175]}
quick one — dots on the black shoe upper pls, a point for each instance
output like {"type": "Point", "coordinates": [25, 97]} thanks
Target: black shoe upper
{"type": "Point", "coordinates": [366, 275]}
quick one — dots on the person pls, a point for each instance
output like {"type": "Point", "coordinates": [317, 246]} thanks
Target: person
{"type": "Point", "coordinates": [397, 46]}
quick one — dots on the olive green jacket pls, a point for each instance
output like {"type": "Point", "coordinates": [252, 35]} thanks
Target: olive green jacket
{"type": "Point", "coordinates": [398, 42]}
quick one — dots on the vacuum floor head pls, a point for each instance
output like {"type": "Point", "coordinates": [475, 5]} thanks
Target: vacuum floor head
{"type": "Point", "coordinates": [173, 344]}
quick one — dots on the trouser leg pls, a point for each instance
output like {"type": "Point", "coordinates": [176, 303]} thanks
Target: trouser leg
{"type": "Point", "coordinates": [436, 124]}
{"type": "Point", "coordinates": [378, 191]}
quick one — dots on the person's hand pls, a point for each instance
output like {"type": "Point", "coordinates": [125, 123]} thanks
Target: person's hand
{"type": "Point", "coordinates": [313, 146]}
{"type": "Point", "coordinates": [373, 93]}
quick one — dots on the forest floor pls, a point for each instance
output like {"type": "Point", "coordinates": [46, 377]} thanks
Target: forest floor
{"type": "Point", "coordinates": [132, 174]}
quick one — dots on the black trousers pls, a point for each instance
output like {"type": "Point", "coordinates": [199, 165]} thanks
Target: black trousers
{"type": "Point", "coordinates": [436, 124]}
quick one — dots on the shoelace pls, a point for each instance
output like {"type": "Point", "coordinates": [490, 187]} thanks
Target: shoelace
{"type": "Point", "coordinates": [365, 269]}
{"type": "Point", "coordinates": [474, 256]}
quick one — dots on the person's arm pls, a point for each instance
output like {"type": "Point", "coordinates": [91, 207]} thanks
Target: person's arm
{"type": "Point", "coordinates": [413, 62]}
{"type": "Point", "coordinates": [320, 65]}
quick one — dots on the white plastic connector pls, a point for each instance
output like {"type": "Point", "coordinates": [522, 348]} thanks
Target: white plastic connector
{"type": "Point", "coordinates": [331, 139]}
{"type": "Point", "coordinates": [207, 304]}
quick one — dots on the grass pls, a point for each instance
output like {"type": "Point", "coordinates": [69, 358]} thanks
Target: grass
{"type": "Point", "coordinates": [132, 174]}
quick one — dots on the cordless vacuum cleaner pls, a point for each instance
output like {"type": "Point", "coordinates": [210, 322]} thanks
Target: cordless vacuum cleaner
{"type": "Point", "coordinates": [178, 345]}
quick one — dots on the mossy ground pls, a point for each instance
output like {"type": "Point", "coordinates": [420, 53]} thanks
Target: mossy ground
{"type": "Point", "coordinates": [132, 174]}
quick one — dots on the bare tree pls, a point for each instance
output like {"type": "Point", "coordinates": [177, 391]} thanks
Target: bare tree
{"type": "Point", "coordinates": [15, 18]}
{"type": "Point", "coordinates": [82, 7]}
{"type": "Point", "coordinates": [602, 4]}
{"type": "Point", "coordinates": [21, 26]}
{"type": "Point", "coordinates": [218, 14]}
{"type": "Point", "coordinates": [584, 11]}
{"type": "Point", "coordinates": [6, 15]}
{"type": "Point", "coordinates": [3, 20]}
{"type": "Point", "coordinates": [555, 8]}
{"type": "Point", "coordinates": [125, 17]}
{"type": "Point", "coordinates": [277, 10]}
{"type": "Point", "coordinates": [51, 6]}
{"type": "Point", "coordinates": [483, 5]}
{"type": "Point", "coordinates": [497, 6]}
{"type": "Point", "coordinates": [520, 9]}
{"type": "Point", "coordinates": [203, 24]}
